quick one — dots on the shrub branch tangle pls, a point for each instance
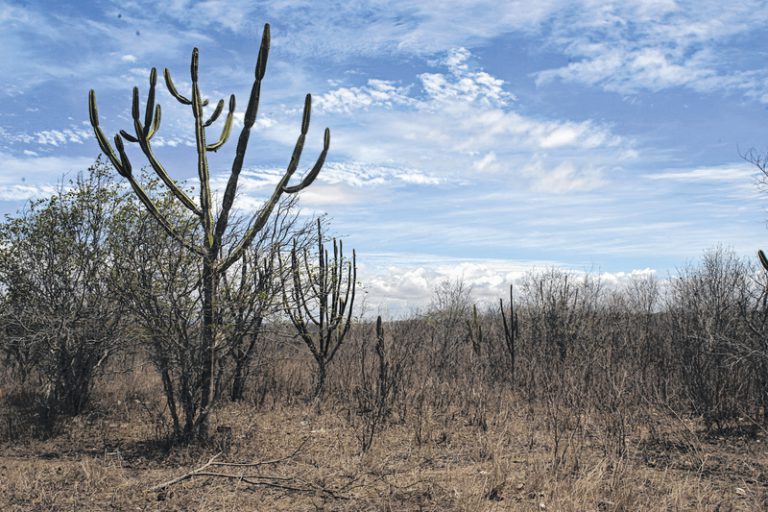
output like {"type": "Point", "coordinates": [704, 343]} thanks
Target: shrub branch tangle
{"type": "Point", "coordinates": [215, 258]}
{"type": "Point", "coordinates": [60, 323]}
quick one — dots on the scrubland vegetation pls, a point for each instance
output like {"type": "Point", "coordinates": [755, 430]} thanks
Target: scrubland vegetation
{"type": "Point", "coordinates": [162, 353]}
{"type": "Point", "coordinates": [570, 395]}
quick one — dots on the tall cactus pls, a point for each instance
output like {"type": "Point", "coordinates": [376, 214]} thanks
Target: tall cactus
{"type": "Point", "coordinates": [215, 260]}
{"type": "Point", "coordinates": [320, 303]}
{"type": "Point", "coordinates": [511, 329]}
{"type": "Point", "coordinates": [475, 331]}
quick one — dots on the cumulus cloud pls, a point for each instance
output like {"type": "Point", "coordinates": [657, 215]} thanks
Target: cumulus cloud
{"type": "Point", "coordinates": [402, 288]}
{"type": "Point", "coordinates": [379, 93]}
{"type": "Point", "coordinates": [464, 83]}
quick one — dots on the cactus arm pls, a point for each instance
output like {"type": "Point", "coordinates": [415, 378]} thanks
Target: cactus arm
{"type": "Point", "coordinates": [511, 328]}
{"type": "Point", "coordinates": [242, 142]}
{"type": "Point", "coordinates": [296, 157]}
{"type": "Point", "coordinates": [348, 304]}
{"type": "Point", "coordinates": [125, 163]}
{"type": "Point", "coordinates": [335, 284]}
{"type": "Point", "coordinates": [172, 88]}
{"type": "Point", "coordinates": [310, 177]}
{"type": "Point", "coordinates": [150, 107]}
{"type": "Point", "coordinates": [763, 259]}
{"type": "Point", "coordinates": [313, 286]}
{"type": "Point", "coordinates": [216, 113]}
{"type": "Point", "coordinates": [155, 123]}
{"type": "Point", "coordinates": [261, 217]}
{"type": "Point", "coordinates": [106, 147]}
{"type": "Point", "coordinates": [225, 132]}
{"type": "Point", "coordinates": [147, 201]}
{"type": "Point", "coordinates": [127, 136]}
{"type": "Point", "coordinates": [299, 295]}
{"type": "Point", "coordinates": [202, 159]}
{"type": "Point", "coordinates": [143, 136]}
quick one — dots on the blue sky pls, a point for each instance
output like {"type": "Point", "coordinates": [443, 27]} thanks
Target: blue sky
{"type": "Point", "coordinates": [471, 138]}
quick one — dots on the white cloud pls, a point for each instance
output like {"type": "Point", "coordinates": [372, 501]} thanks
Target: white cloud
{"type": "Point", "coordinates": [563, 177]}
{"type": "Point", "coordinates": [460, 120]}
{"type": "Point", "coordinates": [378, 93]}
{"type": "Point", "coordinates": [464, 84]}
{"type": "Point", "coordinates": [400, 288]}
{"type": "Point", "coordinates": [657, 45]}
{"type": "Point", "coordinates": [61, 137]}
{"type": "Point", "coordinates": [743, 173]}
{"type": "Point", "coordinates": [41, 167]}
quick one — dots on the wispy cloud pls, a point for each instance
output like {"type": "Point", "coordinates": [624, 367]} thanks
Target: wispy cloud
{"type": "Point", "coordinates": [457, 121]}
{"type": "Point", "coordinates": [734, 173]}
{"type": "Point", "coordinates": [33, 177]}
{"type": "Point", "coordinates": [628, 47]}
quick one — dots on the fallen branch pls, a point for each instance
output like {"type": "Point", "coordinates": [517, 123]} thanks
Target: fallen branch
{"type": "Point", "coordinates": [293, 484]}
{"type": "Point", "coordinates": [186, 476]}
{"type": "Point", "coordinates": [265, 462]}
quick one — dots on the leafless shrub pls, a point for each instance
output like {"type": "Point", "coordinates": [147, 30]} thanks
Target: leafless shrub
{"type": "Point", "coordinates": [704, 324]}
{"type": "Point", "coordinates": [60, 320]}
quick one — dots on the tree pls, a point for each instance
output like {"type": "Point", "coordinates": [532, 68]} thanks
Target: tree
{"type": "Point", "coordinates": [214, 250]}
{"type": "Point", "coordinates": [59, 317]}
{"type": "Point", "coordinates": [159, 284]}
{"type": "Point", "coordinates": [251, 296]}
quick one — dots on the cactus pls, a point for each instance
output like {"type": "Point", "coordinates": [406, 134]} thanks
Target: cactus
{"type": "Point", "coordinates": [215, 261]}
{"type": "Point", "coordinates": [475, 331]}
{"type": "Point", "coordinates": [320, 307]}
{"type": "Point", "coordinates": [762, 258]}
{"type": "Point", "coordinates": [511, 329]}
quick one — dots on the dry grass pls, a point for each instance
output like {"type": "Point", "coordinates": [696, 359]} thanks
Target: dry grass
{"type": "Point", "coordinates": [110, 457]}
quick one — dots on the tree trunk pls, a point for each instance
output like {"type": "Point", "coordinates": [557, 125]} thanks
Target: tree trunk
{"type": "Point", "coordinates": [238, 381]}
{"type": "Point", "coordinates": [320, 380]}
{"type": "Point", "coordinates": [208, 348]}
